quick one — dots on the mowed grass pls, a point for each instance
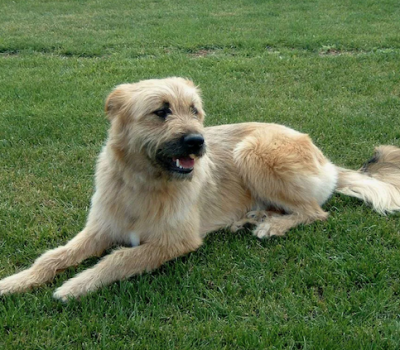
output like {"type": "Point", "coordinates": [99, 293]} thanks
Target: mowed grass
{"type": "Point", "coordinates": [330, 69]}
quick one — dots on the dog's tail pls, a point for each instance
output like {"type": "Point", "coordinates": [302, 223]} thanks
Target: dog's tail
{"type": "Point", "coordinates": [377, 182]}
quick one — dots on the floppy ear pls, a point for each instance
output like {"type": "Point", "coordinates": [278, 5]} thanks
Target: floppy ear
{"type": "Point", "coordinates": [116, 100]}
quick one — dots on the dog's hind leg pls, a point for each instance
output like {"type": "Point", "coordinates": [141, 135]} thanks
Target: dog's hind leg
{"type": "Point", "coordinates": [278, 225]}
{"type": "Point", "coordinates": [285, 169]}
{"type": "Point", "coordinates": [124, 263]}
{"type": "Point", "coordinates": [85, 244]}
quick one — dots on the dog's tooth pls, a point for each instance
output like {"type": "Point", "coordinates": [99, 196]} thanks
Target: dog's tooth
{"type": "Point", "coordinates": [192, 156]}
{"type": "Point", "coordinates": [177, 163]}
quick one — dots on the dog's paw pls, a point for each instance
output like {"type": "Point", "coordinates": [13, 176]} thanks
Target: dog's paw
{"type": "Point", "coordinates": [6, 287]}
{"type": "Point", "coordinates": [72, 289]}
{"type": "Point", "coordinates": [266, 230]}
{"type": "Point", "coordinates": [242, 224]}
{"type": "Point", "coordinates": [262, 231]}
{"type": "Point", "coordinates": [252, 218]}
{"type": "Point", "coordinates": [65, 293]}
{"type": "Point", "coordinates": [62, 295]}
{"type": "Point", "coordinates": [16, 283]}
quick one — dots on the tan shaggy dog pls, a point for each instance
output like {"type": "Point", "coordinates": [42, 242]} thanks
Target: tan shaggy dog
{"type": "Point", "coordinates": [163, 181]}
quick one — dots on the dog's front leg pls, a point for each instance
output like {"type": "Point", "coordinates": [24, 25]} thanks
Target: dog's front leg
{"type": "Point", "coordinates": [123, 263]}
{"type": "Point", "coordinates": [91, 241]}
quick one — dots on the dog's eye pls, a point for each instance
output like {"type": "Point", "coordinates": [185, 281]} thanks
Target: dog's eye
{"type": "Point", "coordinates": [163, 112]}
{"type": "Point", "coordinates": [194, 110]}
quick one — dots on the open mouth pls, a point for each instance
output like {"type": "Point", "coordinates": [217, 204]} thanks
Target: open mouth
{"type": "Point", "coordinates": [181, 164]}
{"type": "Point", "coordinates": [179, 156]}
{"type": "Point", "coordinates": [184, 164]}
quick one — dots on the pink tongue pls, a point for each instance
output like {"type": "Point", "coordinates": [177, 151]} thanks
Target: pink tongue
{"type": "Point", "coordinates": [186, 162]}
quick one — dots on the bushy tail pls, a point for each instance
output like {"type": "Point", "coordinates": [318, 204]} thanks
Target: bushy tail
{"type": "Point", "coordinates": [377, 182]}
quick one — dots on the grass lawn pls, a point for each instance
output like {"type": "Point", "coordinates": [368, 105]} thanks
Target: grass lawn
{"type": "Point", "coordinates": [328, 68]}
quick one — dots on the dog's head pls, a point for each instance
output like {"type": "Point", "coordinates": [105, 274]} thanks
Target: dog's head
{"type": "Point", "coordinates": [160, 119]}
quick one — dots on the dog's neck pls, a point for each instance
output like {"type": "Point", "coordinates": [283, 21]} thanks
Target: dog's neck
{"type": "Point", "coordinates": [135, 168]}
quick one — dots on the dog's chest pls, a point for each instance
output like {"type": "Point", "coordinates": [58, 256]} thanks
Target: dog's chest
{"type": "Point", "coordinates": [156, 209]}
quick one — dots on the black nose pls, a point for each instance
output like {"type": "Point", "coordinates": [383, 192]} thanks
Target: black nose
{"type": "Point", "coordinates": [193, 141]}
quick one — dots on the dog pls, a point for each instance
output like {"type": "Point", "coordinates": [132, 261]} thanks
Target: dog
{"type": "Point", "coordinates": [163, 181]}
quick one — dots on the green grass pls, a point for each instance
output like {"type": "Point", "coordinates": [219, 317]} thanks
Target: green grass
{"type": "Point", "coordinates": [330, 69]}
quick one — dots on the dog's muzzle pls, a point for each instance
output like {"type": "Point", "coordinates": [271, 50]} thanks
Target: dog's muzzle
{"type": "Point", "coordinates": [179, 156]}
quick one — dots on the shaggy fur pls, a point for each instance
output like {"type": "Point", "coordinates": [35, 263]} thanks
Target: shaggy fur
{"type": "Point", "coordinates": [163, 181]}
